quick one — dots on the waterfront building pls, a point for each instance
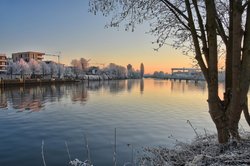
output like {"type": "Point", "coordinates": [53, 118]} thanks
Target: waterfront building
{"type": "Point", "coordinates": [187, 73]}
{"type": "Point", "coordinates": [193, 73]}
{"type": "Point", "coordinates": [38, 56]}
{"type": "Point", "coordinates": [3, 63]}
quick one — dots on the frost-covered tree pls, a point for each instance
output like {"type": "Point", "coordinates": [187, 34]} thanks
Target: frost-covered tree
{"type": "Point", "coordinates": [61, 70]}
{"type": "Point", "coordinates": [204, 27]}
{"type": "Point", "coordinates": [11, 67]}
{"type": "Point", "coordinates": [159, 74]}
{"type": "Point", "coordinates": [68, 72]}
{"type": "Point", "coordinates": [22, 68]}
{"type": "Point", "coordinates": [45, 69]}
{"type": "Point", "coordinates": [83, 64]}
{"type": "Point", "coordinates": [116, 71]}
{"type": "Point", "coordinates": [132, 73]}
{"type": "Point", "coordinates": [76, 67]}
{"type": "Point", "coordinates": [34, 66]}
{"type": "Point", "coordinates": [53, 69]}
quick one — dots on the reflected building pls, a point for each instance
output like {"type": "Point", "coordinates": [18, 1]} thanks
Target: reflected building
{"type": "Point", "coordinates": [183, 86]}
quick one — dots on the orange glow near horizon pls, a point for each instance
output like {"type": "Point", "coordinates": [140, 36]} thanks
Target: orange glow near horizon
{"type": "Point", "coordinates": [149, 66]}
{"type": "Point", "coordinates": [163, 60]}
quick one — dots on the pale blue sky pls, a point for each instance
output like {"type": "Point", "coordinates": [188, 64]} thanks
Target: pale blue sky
{"type": "Point", "coordinates": [65, 25]}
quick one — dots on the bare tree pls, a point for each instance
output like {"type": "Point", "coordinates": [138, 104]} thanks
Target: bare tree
{"type": "Point", "coordinates": [84, 64]}
{"type": "Point", "coordinates": [76, 67]}
{"type": "Point", "coordinates": [204, 27]}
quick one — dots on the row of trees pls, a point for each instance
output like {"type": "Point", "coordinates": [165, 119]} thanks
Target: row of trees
{"type": "Point", "coordinates": [159, 74]}
{"type": "Point", "coordinates": [34, 67]}
{"type": "Point", "coordinates": [78, 69]}
{"type": "Point", "coordinates": [81, 67]}
{"type": "Point", "coordinates": [132, 73]}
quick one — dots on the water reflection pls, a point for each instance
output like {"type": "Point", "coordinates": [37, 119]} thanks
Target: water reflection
{"type": "Point", "coordinates": [3, 100]}
{"type": "Point", "coordinates": [33, 98]}
{"type": "Point", "coordinates": [30, 97]}
{"type": "Point", "coordinates": [79, 93]}
{"type": "Point", "coordinates": [183, 86]}
{"type": "Point", "coordinates": [145, 112]}
{"type": "Point", "coordinates": [141, 86]}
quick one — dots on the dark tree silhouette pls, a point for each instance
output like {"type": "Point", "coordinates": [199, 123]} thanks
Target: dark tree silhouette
{"type": "Point", "coordinates": [142, 70]}
{"type": "Point", "coordinates": [204, 27]}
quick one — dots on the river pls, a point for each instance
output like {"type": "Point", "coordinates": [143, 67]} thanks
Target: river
{"type": "Point", "coordinates": [144, 113]}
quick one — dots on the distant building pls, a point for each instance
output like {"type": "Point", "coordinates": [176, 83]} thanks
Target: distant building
{"type": "Point", "coordinates": [38, 56]}
{"type": "Point", "coordinates": [3, 63]}
{"type": "Point", "coordinates": [93, 70]}
{"type": "Point", "coordinates": [187, 73]}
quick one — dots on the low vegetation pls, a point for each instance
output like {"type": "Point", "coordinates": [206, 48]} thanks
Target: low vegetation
{"type": "Point", "coordinates": [204, 150]}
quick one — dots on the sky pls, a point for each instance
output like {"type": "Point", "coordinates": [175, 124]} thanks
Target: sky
{"type": "Point", "coordinates": [66, 26]}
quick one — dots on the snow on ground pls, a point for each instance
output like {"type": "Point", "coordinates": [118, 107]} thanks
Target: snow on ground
{"type": "Point", "coordinates": [202, 151]}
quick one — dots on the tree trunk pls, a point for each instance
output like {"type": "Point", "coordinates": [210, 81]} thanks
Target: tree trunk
{"type": "Point", "coordinates": [220, 120]}
{"type": "Point", "coordinates": [216, 109]}
{"type": "Point", "coordinates": [235, 105]}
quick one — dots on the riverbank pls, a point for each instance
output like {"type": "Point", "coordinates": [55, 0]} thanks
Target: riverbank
{"type": "Point", "coordinates": [17, 82]}
{"type": "Point", "coordinates": [203, 150]}
{"type": "Point", "coordinates": [6, 82]}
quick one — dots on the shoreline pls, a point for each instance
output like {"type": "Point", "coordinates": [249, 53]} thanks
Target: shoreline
{"type": "Point", "coordinates": [37, 81]}
{"type": "Point", "coordinates": [19, 82]}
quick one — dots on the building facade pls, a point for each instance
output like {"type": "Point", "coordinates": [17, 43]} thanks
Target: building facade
{"type": "Point", "coordinates": [26, 56]}
{"type": "Point", "coordinates": [3, 63]}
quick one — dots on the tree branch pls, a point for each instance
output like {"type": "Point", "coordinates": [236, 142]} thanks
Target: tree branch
{"type": "Point", "coordinates": [202, 29]}
{"type": "Point", "coordinates": [221, 30]}
{"type": "Point", "coordinates": [166, 2]}
{"type": "Point", "coordinates": [198, 56]}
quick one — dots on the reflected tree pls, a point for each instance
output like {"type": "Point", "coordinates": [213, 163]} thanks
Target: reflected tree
{"type": "Point", "coordinates": [141, 86]}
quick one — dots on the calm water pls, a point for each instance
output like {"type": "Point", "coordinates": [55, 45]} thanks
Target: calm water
{"type": "Point", "coordinates": [145, 113]}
